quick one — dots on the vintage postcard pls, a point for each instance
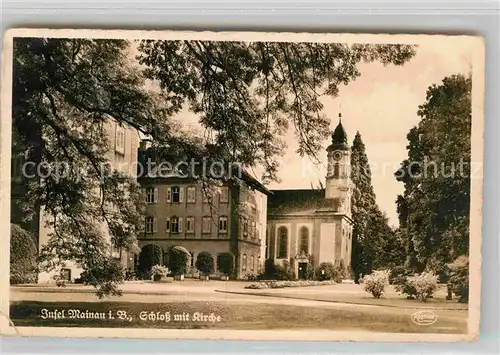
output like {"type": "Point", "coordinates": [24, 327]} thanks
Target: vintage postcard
{"type": "Point", "coordinates": [237, 185]}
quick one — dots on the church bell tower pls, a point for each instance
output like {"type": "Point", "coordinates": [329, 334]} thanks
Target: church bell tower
{"type": "Point", "coordinates": [338, 177]}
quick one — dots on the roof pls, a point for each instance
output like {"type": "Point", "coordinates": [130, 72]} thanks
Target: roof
{"type": "Point", "coordinates": [304, 201]}
{"type": "Point", "coordinates": [148, 170]}
{"type": "Point", "coordinates": [339, 136]}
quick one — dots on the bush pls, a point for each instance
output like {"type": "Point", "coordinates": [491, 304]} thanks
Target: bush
{"type": "Point", "coordinates": [405, 287]}
{"type": "Point", "coordinates": [328, 271]}
{"type": "Point", "coordinates": [283, 284]}
{"type": "Point", "coordinates": [310, 271]}
{"type": "Point", "coordinates": [277, 272]}
{"type": "Point", "coordinates": [252, 277]}
{"type": "Point", "coordinates": [129, 275]}
{"type": "Point", "coordinates": [205, 263]}
{"type": "Point", "coordinates": [178, 258]}
{"type": "Point", "coordinates": [159, 272]}
{"type": "Point", "coordinates": [420, 286]}
{"type": "Point", "coordinates": [226, 263]}
{"type": "Point", "coordinates": [23, 256]}
{"type": "Point", "coordinates": [150, 255]}
{"type": "Point", "coordinates": [375, 282]}
{"type": "Point", "coordinates": [269, 267]}
{"type": "Point", "coordinates": [343, 270]}
{"type": "Point", "coordinates": [397, 275]}
{"type": "Point", "coordinates": [439, 269]}
{"type": "Point", "coordinates": [459, 278]}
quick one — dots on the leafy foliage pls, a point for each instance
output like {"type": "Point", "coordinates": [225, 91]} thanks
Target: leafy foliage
{"type": "Point", "coordinates": [375, 282]}
{"type": "Point", "coordinates": [23, 254]}
{"type": "Point", "coordinates": [269, 267]}
{"type": "Point", "coordinates": [329, 271]}
{"type": "Point", "coordinates": [178, 258]}
{"type": "Point", "coordinates": [226, 263]}
{"type": "Point", "coordinates": [205, 263]}
{"type": "Point", "coordinates": [65, 92]}
{"type": "Point", "coordinates": [420, 286]}
{"type": "Point", "coordinates": [248, 93]}
{"type": "Point", "coordinates": [149, 256]}
{"type": "Point", "coordinates": [158, 272]}
{"type": "Point", "coordinates": [434, 209]}
{"type": "Point", "coordinates": [459, 278]}
{"type": "Point", "coordinates": [397, 275]}
{"type": "Point", "coordinates": [375, 244]}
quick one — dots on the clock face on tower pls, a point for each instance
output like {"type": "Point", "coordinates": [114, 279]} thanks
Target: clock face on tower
{"type": "Point", "coordinates": [337, 155]}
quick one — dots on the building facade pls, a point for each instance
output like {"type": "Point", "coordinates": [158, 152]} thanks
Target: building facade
{"type": "Point", "coordinates": [313, 226]}
{"type": "Point", "coordinates": [122, 157]}
{"type": "Point", "coordinates": [232, 218]}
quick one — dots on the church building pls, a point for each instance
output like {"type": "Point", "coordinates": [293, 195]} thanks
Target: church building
{"type": "Point", "coordinates": [314, 225]}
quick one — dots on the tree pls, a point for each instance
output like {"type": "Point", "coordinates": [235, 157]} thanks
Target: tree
{"type": "Point", "coordinates": [434, 209]}
{"type": "Point", "coordinates": [23, 253]}
{"type": "Point", "coordinates": [246, 95]}
{"type": "Point", "coordinates": [374, 242]}
{"type": "Point", "coordinates": [64, 92]}
{"type": "Point", "coordinates": [226, 263]}
{"type": "Point", "coordinates": [178, 258]}
{"type": "Point", "coordinates": [150, 256]}
{"type": "Point", "coordinates": [205, 263]}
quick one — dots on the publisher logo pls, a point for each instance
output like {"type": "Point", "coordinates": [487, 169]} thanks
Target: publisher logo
{"type": "Point", "coordinates": [424, 318]}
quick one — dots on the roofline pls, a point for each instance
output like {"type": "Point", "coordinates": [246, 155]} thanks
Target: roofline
{"type": "Point", "coordinates": [255, 183]}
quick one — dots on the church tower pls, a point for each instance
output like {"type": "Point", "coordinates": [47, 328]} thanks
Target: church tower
{"type": "Point", "coordinates": [338, 177]}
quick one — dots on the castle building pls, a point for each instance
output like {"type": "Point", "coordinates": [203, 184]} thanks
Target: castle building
{"type": "Point", "coordinates": [122, 157]}
{"type": "Point", "coordinates": [312, 226]}
{"type": "Point", "coordinates": [230, 218]}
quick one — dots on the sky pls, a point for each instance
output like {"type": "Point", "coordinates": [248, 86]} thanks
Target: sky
{"type": "Point", "coordinates": [382, 105]}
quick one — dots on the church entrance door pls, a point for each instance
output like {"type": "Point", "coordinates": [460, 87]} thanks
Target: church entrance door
{"type": "Point", "coordinates": [302, 274]}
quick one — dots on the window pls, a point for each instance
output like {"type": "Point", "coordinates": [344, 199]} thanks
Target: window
{"type": "Point", "coordinates": [252, 228]}
{"type": "Point", "coordinates": [151, 195]}
{"type": "Point", "coordinates": [150, 224]}
{"type": "Point", "coordinates": [304, 240]}
{"type": "Point", "coordinates": [245, 227]}
{"type": "Point", "coordinates": [189, 224]}
{"type": "Point", "coordinates": [224, 194]}
{"type": "Point", "coordinates": [120, 139]}
{"type": "Point", "coordinates": [174, 225]}
{"type": "Point", "coordinates": [207, 221]}
{"type": "Point", "coordinates": [223, 224]}
{"type": "Point", "coordinates": [191, 194]}
{"type": "Point", "coordinates": [175, 194]}
{"type": "Point", "coordinates": [252, 263]}
{"type": "Point", "coordinates": [336, 170]}
{"type": "Point", "coordinates": [244, 263]}
{"type": "Point", "coordinates": [282, 242]}
{"type": "Point", "coordinates": [191, 261]}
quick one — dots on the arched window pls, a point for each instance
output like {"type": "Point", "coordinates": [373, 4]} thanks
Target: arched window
{"type": "Point", "coordinates": [304, 240]}
{"type": "Point", "coordinates": [282, 243]}
{"type": "Point", "coordinates": [336, 170]}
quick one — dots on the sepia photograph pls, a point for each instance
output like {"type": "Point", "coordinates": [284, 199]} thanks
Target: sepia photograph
{"type": "Point", "coordinates": [238, 185]}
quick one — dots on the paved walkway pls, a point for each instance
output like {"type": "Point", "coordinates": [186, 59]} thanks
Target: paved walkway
{"type": "Point", "coordinates": [142, 287]}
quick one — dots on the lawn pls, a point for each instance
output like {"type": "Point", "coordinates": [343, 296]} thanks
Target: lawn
{"type": "Point", "coordinates": [225, 315]}
{"type": "Point", "coordinates": [338, 294]}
